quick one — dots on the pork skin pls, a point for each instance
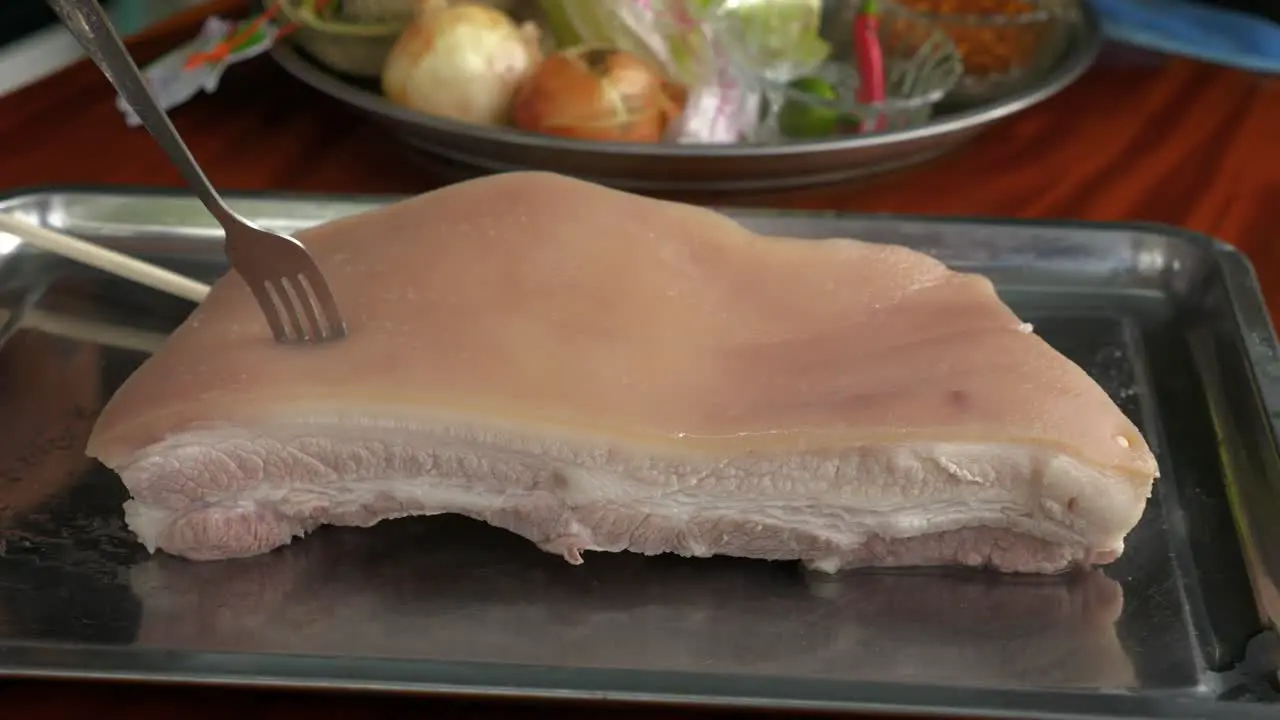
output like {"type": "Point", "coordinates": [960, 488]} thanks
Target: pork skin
{"type": "Point", "coordinates": [595, 370]}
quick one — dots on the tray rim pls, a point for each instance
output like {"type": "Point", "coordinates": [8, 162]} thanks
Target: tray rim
{"type": "Point", "coordinates": [649, 687]}
{"type": "Point", "coordinates": [18, 194]}
{"type": "Point", "coordinates": [53, 661]}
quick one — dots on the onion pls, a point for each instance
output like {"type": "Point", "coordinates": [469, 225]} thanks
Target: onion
{"type": "Point", "coordinates": [596, 94]}
{"type": "Point", "coordinates": [460, 60]}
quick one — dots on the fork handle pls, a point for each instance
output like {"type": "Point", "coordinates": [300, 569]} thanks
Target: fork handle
{"type": "Point", "coordinates": [89, 23]}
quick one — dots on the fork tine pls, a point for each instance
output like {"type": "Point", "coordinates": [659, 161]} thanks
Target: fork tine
{"type": "Point", "coordinates": [306, 300]}
{"type": "Point", "coordinates": [254, 252]}
{"type": "Point", "coordinates": [283, 312]}
{"type": "Point", "coordinates": [270, 307]}
{"type": "Point", "coordinates": [289, 301]}
{"type": "Point", "coordinates": [334, 327]}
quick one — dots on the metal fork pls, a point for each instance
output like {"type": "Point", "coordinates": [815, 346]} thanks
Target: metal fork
{"type": "Point", "coordinates": [288, 285]}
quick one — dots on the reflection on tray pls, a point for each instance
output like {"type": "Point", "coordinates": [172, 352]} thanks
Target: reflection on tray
{"type": "Point", "coordinates": [391, 592]}
{"type": "Point", "coordinates": [450, 589]}
{"type": "Point", "coordinates": [52, 392]}
{"type": "Point", "coordinates": [61, 554]}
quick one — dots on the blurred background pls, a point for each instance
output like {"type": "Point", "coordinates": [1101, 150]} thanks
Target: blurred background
{"type": "Point", "coordinates": [32, 45]}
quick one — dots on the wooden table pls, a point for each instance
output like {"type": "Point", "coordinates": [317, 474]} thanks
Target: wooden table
{"type": "Point", "coordinates": [1170, 141]}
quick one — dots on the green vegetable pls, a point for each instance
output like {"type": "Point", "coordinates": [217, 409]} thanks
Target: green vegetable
{"type": "Point", "coordinates": [560, 24]}
{"type": "Point", "coordinates": [778, 38]}
{"type": "Point", "coordinates": [800, 118]}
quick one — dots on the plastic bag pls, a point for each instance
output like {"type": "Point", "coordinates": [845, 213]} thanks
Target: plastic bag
{"type": "Point", "coordinates": [725, 53]}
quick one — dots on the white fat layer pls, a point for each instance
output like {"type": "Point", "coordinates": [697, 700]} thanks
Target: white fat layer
{"type": "Point", "coordinates": [890, 490]}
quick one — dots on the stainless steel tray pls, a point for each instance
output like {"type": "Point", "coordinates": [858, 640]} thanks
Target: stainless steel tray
{"type": "Point", "coordinates": [1169, 322]}
{"type": "Point", "coordinates": [673, 167]}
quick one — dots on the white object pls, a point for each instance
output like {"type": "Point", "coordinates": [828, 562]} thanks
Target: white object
{"type": "Point", "coordinates": [462, 62]}
{"type": "Point", "coordinates": [174, 84]}
{"type": "Point", "coordinates": [97, 256]}
{"type": "Point", "coordinates": [86, 330]}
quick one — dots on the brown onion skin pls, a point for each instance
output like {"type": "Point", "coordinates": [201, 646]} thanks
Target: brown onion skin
{"type": "Point", "coordinates": [568, 95]}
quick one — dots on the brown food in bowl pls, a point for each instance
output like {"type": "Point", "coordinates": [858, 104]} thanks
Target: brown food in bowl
{"type": "Point", "coordinates": [993, 37]}
{"type": "Point", "coordinates": [590, 93]}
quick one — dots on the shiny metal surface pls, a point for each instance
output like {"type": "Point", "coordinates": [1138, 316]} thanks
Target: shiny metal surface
{"type": "Point", "coordinates": [689, 167]}
{"type": "Point", "coordinates": [1170, 323]}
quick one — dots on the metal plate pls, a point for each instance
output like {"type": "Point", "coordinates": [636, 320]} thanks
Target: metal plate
{"type": "Point", "coordinates": [671, 167]}
{"type": "Point", "coordinates": [1170, 323]}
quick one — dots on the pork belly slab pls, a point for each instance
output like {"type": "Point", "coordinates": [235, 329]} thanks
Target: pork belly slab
{"type": "Point", "coordinates": [595, 370]}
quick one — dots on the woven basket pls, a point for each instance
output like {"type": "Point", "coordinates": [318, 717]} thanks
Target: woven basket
{"type": "Point", "coordinates": [351, 48]}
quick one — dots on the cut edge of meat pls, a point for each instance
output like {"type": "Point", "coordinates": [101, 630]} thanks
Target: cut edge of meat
{"type": "Point", "coordinates": [218, 493]}
{"type": "Point", "coordinates": [124, 443]}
